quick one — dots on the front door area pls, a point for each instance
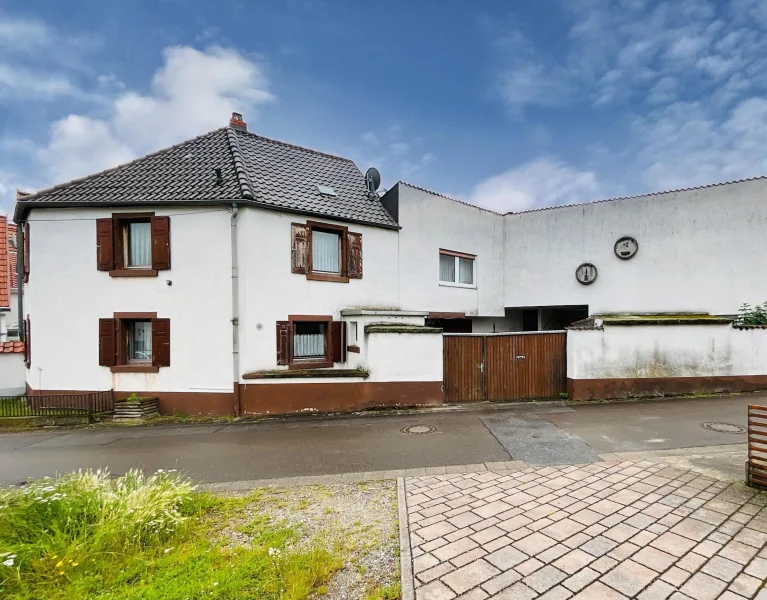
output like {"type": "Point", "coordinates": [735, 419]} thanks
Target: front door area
{"type": "Point", "coordinates": [502, 367]}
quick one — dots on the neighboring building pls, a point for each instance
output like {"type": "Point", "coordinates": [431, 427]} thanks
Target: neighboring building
{"type": "Point", "coordinates": [234, 273]}
{"type": "Point", "coordinates": [13, 279]}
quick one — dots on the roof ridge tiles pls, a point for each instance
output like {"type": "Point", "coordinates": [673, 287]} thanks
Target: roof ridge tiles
{"type": "Point", "coordinates": [239, 165]}
{"type": "Point", "coordinates": [296, 146]}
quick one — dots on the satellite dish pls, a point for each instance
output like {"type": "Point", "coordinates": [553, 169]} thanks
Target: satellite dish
{"type": "Point", "coordinates": [372, 179]}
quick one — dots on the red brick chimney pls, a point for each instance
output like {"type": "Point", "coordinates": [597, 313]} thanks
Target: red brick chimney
{"type": "Point", "coordinates": [236, 122]}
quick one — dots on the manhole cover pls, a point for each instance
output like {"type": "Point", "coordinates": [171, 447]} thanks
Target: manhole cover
{"type": "Point", "coordinates": [724, 427]}
{"type": "Point", "coordinates": [418, 429]}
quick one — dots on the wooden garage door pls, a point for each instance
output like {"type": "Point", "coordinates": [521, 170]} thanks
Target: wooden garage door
{"type": "Point", "coordinates": [502, 367]}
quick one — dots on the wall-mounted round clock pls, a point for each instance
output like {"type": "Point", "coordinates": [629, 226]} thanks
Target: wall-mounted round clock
{"type": "Point", "coordinates": [586, 274]}
{"type": "Point", "coordinates": [626, 247]}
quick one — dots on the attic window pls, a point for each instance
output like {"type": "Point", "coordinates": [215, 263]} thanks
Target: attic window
{"type": "Point", "coordinates": [326, 190]}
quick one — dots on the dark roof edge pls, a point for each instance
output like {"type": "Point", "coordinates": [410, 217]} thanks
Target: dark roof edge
{"type": "Point", "coordinates": [636, 196]}
{"type": "Point", "coordinates": [309, 213]}
{"type": "Point", "coordinates": [239, 164]}
{"type": "Point", "coordinates": [22, 208]}
{"type": "Point", "coordinates": [418, 187]}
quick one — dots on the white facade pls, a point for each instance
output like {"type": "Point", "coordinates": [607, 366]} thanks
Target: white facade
{"type": "Point", "coordinates": [270, 292]}
{"type": "Point", "coordinates": [431, 222]}
{"type": "Point", "coordinates": [403, 356]}
{"type": "Point", "coordinates": [700, 250]}
{"type": "Point", "coordinates": [66, 296]}
{"type": "Point", "coordinates": [661, 351]}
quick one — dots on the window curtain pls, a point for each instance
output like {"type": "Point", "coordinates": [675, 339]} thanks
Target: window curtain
{"type": "Point", "coordinates": [140, 341]}
{"type": "Point", "coordinates": [447, 268]}
{"type": "Point", "coordinates": [140, 245]}
{"type": "Point", "coordinates": [325, 252]}
{"type": "Point", "coordinates": [466, 271]}
{"type": "Point", "coordinates": [309, 345]}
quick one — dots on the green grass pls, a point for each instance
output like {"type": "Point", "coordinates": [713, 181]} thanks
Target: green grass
{"type": "Point", "coordinates": [87, 535]}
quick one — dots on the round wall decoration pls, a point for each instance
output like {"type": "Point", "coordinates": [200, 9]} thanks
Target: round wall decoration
{"type": "Point", "coordinates": [626, 247]}
{"type": "Point", "coordinates": [586, 274]}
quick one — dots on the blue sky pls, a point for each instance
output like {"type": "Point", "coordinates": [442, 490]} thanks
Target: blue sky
{"type": "Point", "coordinates": [509, 104]}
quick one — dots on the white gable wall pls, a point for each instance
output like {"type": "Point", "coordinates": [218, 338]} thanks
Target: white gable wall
{"type": "Point", "coordinates": [66, 295]}
{"type": "Point", "coordinates": [699, 250]}
{"type": "Point", "coordinates": [430, 222]}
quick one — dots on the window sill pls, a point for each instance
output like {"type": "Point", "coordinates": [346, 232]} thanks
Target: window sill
{"type": "Point", "coordinates": [310, 364]}
{"type": "Point", "coordinates": [133, 273]}
{"type": "Point", "coordinates": [134, 369]}
{"type": "Point", "coordinates": [465, 286]}
{"type": "Point", "coordinates": [306, 373]}
{"type": "Point", "coordinates": [327, 277]}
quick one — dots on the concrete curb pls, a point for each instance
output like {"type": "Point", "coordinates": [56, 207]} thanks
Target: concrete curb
{"type": "Point", "coordinates": [675, 452]}
{"type": "Point", "coordinates": [405, 553]}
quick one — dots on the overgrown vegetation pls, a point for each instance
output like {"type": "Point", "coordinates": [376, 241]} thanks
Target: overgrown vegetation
{"type": "Point", "coordinates": [748, 315]}
{"type": "Point", "coordinates": [89, 535]}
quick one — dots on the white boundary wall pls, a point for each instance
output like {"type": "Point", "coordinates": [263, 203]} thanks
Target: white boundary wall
{"type": "Point", "coordinates": [652, 351]}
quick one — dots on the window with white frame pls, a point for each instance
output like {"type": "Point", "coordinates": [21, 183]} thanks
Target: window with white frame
{"type": "Point", "coordinates": [456, 268]}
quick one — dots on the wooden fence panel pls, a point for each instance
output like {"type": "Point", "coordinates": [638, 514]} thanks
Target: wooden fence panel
{"type": "Point", "coordinates": [513, 366]}
{"type": "Point", "coordinates": [463, 360]}
{"type": "Point", "coordinates": [756, 465]}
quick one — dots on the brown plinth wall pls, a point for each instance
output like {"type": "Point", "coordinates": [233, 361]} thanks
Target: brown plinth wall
{"type": "Point", "coordinates": [215, 404]}
{"type": "Point", "coordinates": [287, 398]}
{"type": "Point", "coordinates": [597, 389]}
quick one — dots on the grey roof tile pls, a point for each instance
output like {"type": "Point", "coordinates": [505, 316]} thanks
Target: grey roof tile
{"type": "Point", "coordinates": [255, 169]}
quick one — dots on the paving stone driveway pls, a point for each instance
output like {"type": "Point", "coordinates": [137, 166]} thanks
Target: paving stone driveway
{"type": "Point", "coordinates": [609, 530]}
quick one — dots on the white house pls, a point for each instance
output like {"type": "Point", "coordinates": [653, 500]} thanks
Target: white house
{"type": "Point", "coordinates": [232, 273]}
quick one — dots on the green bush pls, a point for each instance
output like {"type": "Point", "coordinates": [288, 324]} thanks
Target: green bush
{"type": "Point", "coordinates": [752, 316]}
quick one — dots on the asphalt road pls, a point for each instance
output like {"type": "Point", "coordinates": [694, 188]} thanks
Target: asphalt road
{"type": "Point", "coordinates": [539, 434]}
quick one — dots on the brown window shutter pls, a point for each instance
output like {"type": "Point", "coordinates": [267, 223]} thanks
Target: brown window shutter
{"type": "Point", "coordinates": [354, 243]}
{"type": "Point", "coordinates": [338, 341]}
{"type": "Point", "coordinates": [299, 248]}
{"type": "Point", "coordinates": [283, 342]}
{"type": "Point", "coordinates": [161, 342]}
{"type": "Point", "coordinates": [27, 342]}
{"type": "Point", "coordinates": [107, 342]}
{"type": "Point", "coordinates": [105, 245]}
{"type": "Point", "coordinates": [25, 272]}
{"type": "Point", "coordinates": [161, 243]}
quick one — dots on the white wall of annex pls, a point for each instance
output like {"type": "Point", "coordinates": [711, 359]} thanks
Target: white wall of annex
{"type": "Point", "coordinates": [66, 295]}
{"type": "Point", "coordinates": [665, 351]}
{"type": "Point", "coordinates": [430, 222]}
{"type": "Point", "coordinates": [699, 250]}
{"type": "Point", "coordinates": [404, 356]}
{"type": "Point", "coordinates": [270, 292]}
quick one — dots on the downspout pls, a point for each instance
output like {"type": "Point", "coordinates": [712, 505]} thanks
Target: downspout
{"type": "Point", "coordinates": [20, 258]}
{"type": "Point", "coordinates": [235, 314]}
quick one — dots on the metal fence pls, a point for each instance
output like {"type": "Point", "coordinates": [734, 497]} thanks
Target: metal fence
{"type": "Point", "coordinates": [756, 465]}
{"type": "Point", "coordinates": [58, 405]}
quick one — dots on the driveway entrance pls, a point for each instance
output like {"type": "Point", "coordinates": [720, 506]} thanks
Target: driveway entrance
{"type": "Point", "coordinates": [504, 366]}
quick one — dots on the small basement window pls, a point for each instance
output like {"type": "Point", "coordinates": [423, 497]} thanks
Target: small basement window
{"type": "Point", "coordinates": [456, 269]}
{"type": "Point", "coordinates": [310, 341]}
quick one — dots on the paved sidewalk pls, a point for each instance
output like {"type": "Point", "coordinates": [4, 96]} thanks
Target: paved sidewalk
{"type": "Point", "coordinates": [608, 530]}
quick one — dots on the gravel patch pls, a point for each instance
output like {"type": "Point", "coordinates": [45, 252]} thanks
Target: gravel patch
{"type": "Point", "coordinates": [360, 518]}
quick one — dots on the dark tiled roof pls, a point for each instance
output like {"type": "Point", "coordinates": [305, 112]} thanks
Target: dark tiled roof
{"type": "Point", "coordinates": [255, 170]}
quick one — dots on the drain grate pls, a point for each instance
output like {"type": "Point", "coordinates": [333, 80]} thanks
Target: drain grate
{"type": "Point", "coordinates": [724, 428]}
{"type": "Point", "coordinates": [419, 429]}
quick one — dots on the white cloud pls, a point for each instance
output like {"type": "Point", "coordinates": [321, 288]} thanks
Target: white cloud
{"type": "Point", "coordinates": [22, 83]}
{"type": "Point", "coordinates": [399, 147]}
{"type": "Point", "coordinates": [193, 92]}
{"type": "Point", "coordinates": [23, 34]}
{"type": "Point", "coordinates": [409, 168]}
{"type": "Point", "coordinates": [545, 181]}
{"type": "Point", "coordinates": [370, 138]}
